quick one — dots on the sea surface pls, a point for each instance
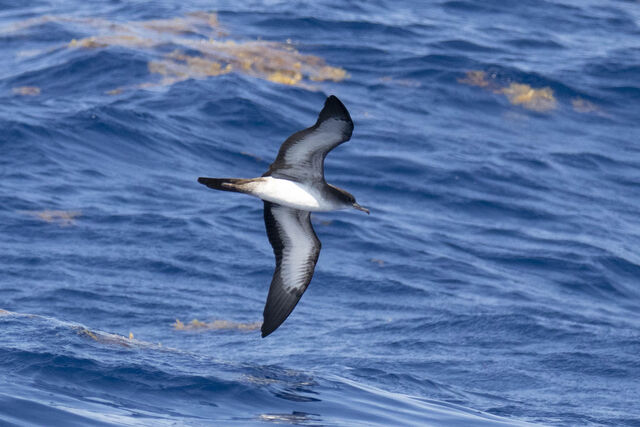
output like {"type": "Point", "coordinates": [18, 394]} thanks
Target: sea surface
{"type": "Point", "coordinates": [496, 281]}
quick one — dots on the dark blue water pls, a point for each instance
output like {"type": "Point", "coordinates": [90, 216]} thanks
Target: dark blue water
{"type": "Point", "coordinates": [497, 279]}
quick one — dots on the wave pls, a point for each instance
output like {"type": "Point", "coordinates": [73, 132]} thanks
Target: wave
{"type": "Point", "coordinates": [89, 377]}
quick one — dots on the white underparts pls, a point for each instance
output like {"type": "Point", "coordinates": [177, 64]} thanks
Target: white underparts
{"type": "Point", "coordinates": [289, 193]}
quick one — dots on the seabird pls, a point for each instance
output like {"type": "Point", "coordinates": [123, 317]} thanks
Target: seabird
{"type": "Point", "coordinates": [292, 188]}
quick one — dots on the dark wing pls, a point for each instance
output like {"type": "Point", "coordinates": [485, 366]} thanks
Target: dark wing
{"type": "Point", "coordinates": [301, 156]}
{"type": "Point", "coordinates": [296, 248]}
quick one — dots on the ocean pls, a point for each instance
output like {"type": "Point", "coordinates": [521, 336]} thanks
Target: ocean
{"type": "Point", "coordinates": [496, 281]}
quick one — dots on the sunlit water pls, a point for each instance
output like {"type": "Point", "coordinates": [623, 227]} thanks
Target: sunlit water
{"type": "Point", "coordinates": [496, 281]}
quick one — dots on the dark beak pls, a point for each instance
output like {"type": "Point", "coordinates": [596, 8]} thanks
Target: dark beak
{"type": "Point", "coordinates": [361, 208]}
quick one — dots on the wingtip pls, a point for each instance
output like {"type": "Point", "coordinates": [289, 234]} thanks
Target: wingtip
{"type": "Point", "coordinates": [265, 332]}
{"type": "Point", "coordinates": [334, 108]}
{"type": "Point", "coordinates": [333, 102]}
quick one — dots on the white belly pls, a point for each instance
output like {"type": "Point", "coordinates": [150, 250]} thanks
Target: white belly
{"type": "Point", "coordinates": [291, 194]}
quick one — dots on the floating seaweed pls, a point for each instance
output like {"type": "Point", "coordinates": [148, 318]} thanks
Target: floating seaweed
{"type": "Point", "coordinates": [524, 95]}
{"type": "Point", "coordinates": [203, 50]}
{"type": "Point", "coordinates": [533, 99]}
{"type": "Point", "coordinates": [26, 90]}
{"type": "Point", "coordinates": [215, 325]}
{"type": "Point", "coordinates": [84, 332]}
{"type": "Point", "coordinates": [583, 106]}
{"type": "Point", "coordinates": [59, 217]}
{"type": "Point", "coordinates": [110, 339]}
{"type": "Point", "coordinates": [475, 78]}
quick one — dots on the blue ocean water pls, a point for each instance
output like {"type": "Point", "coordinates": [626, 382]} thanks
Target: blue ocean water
{"type": "Point", "coordinates": [496, 281]}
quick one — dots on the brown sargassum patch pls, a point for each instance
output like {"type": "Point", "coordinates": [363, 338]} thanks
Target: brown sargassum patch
{"type": "Point", "coordinates": [199, 48]}
{"type": "Point", "coordinates": [58, 217]}
{"type": "Point", "coordinates": [109, 339]}
{"type": "Point", "coordinates": [94, 335]}
{"type": "Point", "coordinates": [524, 95]}
{"type": "Point", "coordinates": [196, 325]}
{"type": "Point", "coordinates": [26, 90]}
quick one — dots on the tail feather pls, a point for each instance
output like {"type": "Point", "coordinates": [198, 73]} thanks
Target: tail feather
{"type": "Point", "coordinates": [224, 184]}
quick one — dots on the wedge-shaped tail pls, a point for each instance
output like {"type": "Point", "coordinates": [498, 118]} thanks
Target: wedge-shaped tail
{"type": "Point", "coordinates": [224, 184]}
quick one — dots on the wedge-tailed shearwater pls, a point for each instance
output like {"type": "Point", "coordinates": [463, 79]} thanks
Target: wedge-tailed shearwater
{"type": "Point", "coordinates": [292, 188]}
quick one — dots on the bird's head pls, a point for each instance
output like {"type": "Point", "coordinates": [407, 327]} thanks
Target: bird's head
{"type": "Point", "coordinates": [347, 198]}
{"type": "Point", "coordinates": [355, 205]}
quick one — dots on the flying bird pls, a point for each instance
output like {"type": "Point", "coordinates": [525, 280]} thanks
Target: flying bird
{"type": "Point", "coordinates": [292, 188]}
